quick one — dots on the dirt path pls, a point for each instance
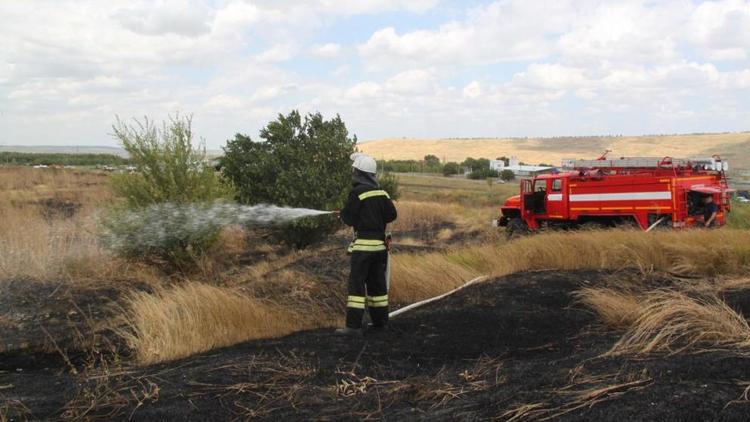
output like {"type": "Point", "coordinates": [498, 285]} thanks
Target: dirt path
{"type": "Point", "coordinates": [514, 347]}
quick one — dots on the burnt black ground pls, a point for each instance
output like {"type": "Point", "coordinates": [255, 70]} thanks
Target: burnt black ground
{"type": "Point", "coordinates": [479, 354]}
{"type": "Point", "coordinates": [48, 315]}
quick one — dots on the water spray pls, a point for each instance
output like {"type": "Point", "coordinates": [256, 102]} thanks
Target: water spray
{"type": "Point", "coordinates": [161, 224]}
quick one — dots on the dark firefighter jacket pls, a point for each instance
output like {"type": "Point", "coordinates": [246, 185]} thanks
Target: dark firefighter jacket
{"type": "Point", "coordinates": [368, 209]}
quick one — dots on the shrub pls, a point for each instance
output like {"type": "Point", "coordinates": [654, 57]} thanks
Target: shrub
{"type": "Point", "coordinates": [451, 168]}
{"type": "Point", "coordinates": [739, 217]}
{"type": "Point", "coordinates": [482, 173]}
{"type": "Point", "coordinates": [389, 183]}
{"type": "Point", "coordinates": [176, 234]}
{"type": "Point", "coordinates": [300, 163]}
{"type": "Point", "coordinates": [169, 168]}
{"type": "Point", "coordinates": [507, 175]}
{"type": "Point", "coordinates": [173, 180]}
{"type": "Point", "coordinates": [477, 165]}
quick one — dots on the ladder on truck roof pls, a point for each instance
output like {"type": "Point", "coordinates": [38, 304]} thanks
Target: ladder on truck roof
{"type": "Point", "coordinates": [706, 163]}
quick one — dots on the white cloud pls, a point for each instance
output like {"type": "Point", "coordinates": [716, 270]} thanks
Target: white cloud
{"type": "Point", "coordinates": [550, 76]}
{"type": "Point", "coordinates": [721, 30]}
{"type": "Point", "coordinates": [275, 54]}
{"type": "Point", "coordinates": [411, 82]}
{"type": "Point", "coordinates": [502, 31]}
{"type": "Point", "coordinates": [181, 17]}
{"type": "Point", "coordinates": [325, 51]}
{"type": "Point", "coordinates": [472, 90]}
{"type": "Point", "coordinates": [363, 91]}
{"type": "Point", "coordinates": [510, 67]}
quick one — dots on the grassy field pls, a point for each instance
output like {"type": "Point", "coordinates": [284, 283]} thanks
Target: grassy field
{"type": "Point", "coordinates": [457, 190]}
{"type": "Point", "coordinates": [733, 146]}
{"type": "Point", "coordinates": [665, 295]}
{"type": "Point", "coordinates": [443, 238]}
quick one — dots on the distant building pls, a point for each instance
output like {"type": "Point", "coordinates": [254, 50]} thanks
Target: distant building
{"type": "Point", "coordinates": [520, 170]}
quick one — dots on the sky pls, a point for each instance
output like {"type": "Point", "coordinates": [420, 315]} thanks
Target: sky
{"type": "Point", "coordinates": [389, 68]}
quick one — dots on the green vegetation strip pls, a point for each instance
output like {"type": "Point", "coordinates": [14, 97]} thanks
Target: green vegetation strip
{"type": "Point", "coordinates": [49, 159]}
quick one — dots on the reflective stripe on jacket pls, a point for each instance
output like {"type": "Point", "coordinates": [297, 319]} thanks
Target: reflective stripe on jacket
{"type": "Point", "coordinates": [369, 209]}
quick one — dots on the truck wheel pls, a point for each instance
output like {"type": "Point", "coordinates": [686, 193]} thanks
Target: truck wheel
{"type": "Point", "coordinates": [516, 227]}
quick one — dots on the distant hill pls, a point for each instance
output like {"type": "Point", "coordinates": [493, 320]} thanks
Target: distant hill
{"type": "Point", "coordinates": [735, 147]}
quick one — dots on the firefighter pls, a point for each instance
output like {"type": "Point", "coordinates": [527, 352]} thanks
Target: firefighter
{"type": "Point", "coordinates": [709, 212]}
{"type": "Point", "coordinates": [368, 210]}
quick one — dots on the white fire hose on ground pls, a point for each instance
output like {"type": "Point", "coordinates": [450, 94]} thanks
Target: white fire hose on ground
{"type": "Point", "coordinates": [467, 284]}
{"type": "Point", "coordinates": [433, 299]}
{"type": "Point", "coordinates": [656, 223]}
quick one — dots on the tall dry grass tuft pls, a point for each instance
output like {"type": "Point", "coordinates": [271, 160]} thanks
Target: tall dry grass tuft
{"type": "Point", "coordinates": [616, 309]}
{"type": "Point", "coordinates": [672, 322]}
{"type": "Point", "coordinates": [193, 317]}
{"type": "Point", "coordinates": [699, 252]}
{"type": "Point", "coordinates": [411, 281]}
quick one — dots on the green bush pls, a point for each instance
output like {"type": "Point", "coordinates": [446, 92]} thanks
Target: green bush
{"type": "Point", "coordinates": [389, 183]}
{"type": "Point", "coordinates": [163, 233]}
{"type": "Point", "coordinates": [477, 165]}
{"type": "Point", "coordinates": [451, 168]}
{"type": "Point", "coordinates": [740, 216]}
{"type": "Point", "coordinates": [169, 168]}
{"type": "Point", "coordinates": [172, 178]}
{"type": "Point", "coordinates": [61, 159]}
{"type": "Point", "coordinates": [507, 175]}
{"type": "Point", "coordinates": [299, 163]}
{"type": "Point", "coordinates": [483, 173]}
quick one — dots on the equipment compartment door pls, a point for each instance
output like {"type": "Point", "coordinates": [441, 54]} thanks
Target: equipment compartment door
{"type": "Point", "coordinates": [556, 198]}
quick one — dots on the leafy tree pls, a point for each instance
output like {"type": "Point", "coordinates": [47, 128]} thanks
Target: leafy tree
{"type": "Point", "coordinates": [300, 162]}
{"type": "Point", "coordinates": [507, 175]}
{"type": "Point", "coordinates": [451, 168]}
{"type": "Point", "coordinates": [477, 165]}
{"type": "Point", "coordinates": [483, 173]}
{"type": "Point", "coordinates": [431, 160]}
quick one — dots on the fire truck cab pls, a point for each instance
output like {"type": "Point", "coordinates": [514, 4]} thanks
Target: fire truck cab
{"type": "Point", "coordinates": [638, 192]}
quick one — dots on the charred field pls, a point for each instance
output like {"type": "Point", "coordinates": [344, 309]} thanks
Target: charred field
{"type": "Point", "coordinates": [519, 347]}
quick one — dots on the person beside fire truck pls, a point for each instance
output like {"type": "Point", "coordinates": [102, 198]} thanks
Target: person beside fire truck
{"type": "Point", "coordinates": [710, 211]}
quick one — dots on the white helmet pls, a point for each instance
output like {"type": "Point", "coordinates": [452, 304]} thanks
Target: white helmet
{"type": "Point", "coordinates": [364, 163]}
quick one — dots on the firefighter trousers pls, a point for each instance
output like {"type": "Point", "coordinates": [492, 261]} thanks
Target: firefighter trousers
{"type": "Point", "coordinates": [367, 288]}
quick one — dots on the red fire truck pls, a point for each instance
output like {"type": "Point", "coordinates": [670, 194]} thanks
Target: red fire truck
{"type": "Point", "coordinates": [636, 191]}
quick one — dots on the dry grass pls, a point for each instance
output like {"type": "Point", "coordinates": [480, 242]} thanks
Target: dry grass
{"type": "Point", "coordinates": [424, 217]}
{"type": "Point", "coordinates": [616, 309]}
{"type": "Point", "coordinates": [191, 318]}
{"type": "Point", "coordinates": [470, 194]}
{"type": "Point", "coordinates": [439, 221]}
{"type": "Point", "coordinates": [673, 321]}
{"type": "Point", "coordinates": [583, 391]}
{"type": "Point", "coordinates": [48, 228]}
{"type": "Point", "coordinates": [13, 410]}
{"type": "Point", "coordinates": [418, 277]}
{"type": "Point", "coordinates": [699, 252]}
